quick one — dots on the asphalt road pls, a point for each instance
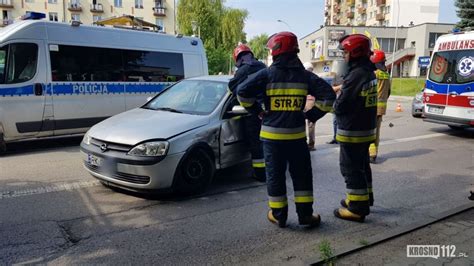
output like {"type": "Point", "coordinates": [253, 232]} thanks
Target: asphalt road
{"type": "Point", "coordinates": [52, 211]}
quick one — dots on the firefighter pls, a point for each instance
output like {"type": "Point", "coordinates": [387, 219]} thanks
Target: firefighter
{"type": "Point", "coordinates": [383, 92]}
{"type": "Point", "coordinates": [284, 86]}
{"type": "Point", "coordinates": [246, 64]}
{"type": "Point", "coordinates": [356, 110]}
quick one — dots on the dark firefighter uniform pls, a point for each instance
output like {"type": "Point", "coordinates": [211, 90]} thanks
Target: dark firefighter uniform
{"type": "Point", "coordinates": [284, 87]}
{"type": "Point", "coordinates": [356, 110]}
{"type": "Point", "coordinates": [247, 65]}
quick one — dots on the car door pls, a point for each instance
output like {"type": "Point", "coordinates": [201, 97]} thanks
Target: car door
{"type": "Point", "coordinates": [233, 145]}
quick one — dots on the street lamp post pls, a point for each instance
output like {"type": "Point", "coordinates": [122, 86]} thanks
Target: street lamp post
{"type": "Point", "coordinates": [282, 21]}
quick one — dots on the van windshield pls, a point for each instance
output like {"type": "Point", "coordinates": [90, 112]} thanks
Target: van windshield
{"type": "Point", "coordinates": [452, 67]}
{"type": "Point", "coordinates": [18, 62]}
{"type": "Point", "coordinates": [190, 96]}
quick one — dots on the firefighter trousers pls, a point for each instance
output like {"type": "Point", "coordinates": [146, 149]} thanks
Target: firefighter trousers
{"type": "Point", "coordinates": [252, 134]}
{"type": "Point", "coordinates": [374, 147]}
{"type": "Point", "coordinates": [355, 168]}
{"type": "Point", "coordinates": [295, 155]}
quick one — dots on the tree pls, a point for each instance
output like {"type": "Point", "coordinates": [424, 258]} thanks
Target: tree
{"type": "Point", "coordinates": [465, 12]}
{"type": "Point", "coordinates": [257, 44]}
{"type": "Point", "coordinates": [220, 28]}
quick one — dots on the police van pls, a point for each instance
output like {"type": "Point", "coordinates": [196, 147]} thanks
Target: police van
{"type": "Point", "coordinates": [59, 79]}
{"type": "Point", "coordinates": [449, 89]}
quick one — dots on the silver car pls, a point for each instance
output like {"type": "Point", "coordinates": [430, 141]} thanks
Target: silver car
{"type": "Point", "coordinates": [417, 105]}
{"type": "Point", "coordinates": [175, 141]}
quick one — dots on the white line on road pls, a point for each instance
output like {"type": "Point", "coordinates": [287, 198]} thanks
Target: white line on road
{"type": "Point", "coordinates": [85, 184]}
{"type": "Point", "coordinates": [47, 189]}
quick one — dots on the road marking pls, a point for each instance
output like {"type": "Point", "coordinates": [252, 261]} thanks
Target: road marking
{"type": "Point", "coordinates": [48, 189]}
{"type": "Point", "coordinates": [395, 141]}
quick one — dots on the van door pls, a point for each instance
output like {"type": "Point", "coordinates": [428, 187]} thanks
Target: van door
{"type": "Point", "coordinates": [22, 88]}
{"type": "Point", "coordinates": [87, 86]}
{"type": "Point", "coordinates": [460, 94]}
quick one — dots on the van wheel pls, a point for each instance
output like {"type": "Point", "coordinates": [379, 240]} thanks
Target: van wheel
{"type": "Point", "coordinates": [455, 127]}
{"type": "Point", "coordinates": [194, 173]}
{"type": "Point", "coordinates": [3, 145]}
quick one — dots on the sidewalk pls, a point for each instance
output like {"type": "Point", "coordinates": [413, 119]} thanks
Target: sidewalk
{"type": "Point", "coordinates": [457, 230]}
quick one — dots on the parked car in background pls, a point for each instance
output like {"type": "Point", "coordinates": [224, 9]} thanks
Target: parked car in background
{"type": "Point", "coordinates": [417, 105]}
{"type": "Point", "coordinates": [175, 141]}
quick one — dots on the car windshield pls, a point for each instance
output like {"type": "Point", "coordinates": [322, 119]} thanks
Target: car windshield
{"type": "Point", "coordinates": [190, 96]}
{"type": "Point", "coordinates": [452, 67]}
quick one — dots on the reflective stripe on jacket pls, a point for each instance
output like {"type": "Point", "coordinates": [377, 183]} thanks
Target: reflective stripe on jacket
{"type": "Point", "coordinates": [383, 91]}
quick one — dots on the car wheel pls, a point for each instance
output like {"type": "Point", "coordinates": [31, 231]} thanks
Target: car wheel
{"type": "Point", "coordinates": [455, 127]}
{"type": "Point", "coordinates": [194, 173]}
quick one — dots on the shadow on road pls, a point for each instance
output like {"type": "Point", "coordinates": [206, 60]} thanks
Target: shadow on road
{"type": "Point", "coordinates": [40, 145]}
{"type": "Point", "coordinates": [460, 133]}
{"type": "Point", "coordinates": [402, 154]}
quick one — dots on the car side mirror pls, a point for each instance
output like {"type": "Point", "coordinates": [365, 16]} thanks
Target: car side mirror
{"type": "Point", "coordinates": [238, 110]}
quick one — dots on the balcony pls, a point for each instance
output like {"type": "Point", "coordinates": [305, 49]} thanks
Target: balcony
{"type": "Point", "coordinates": [350, 14]}
{"type": "Point", "coordinates": [159, 11]}
{"type": "Point", "coordinates": [97, 8]}
{"type": "Point", "coordinates": [76, 7]}
{"type": "Point", "coordinates": [336, 9]}
{"type": "Point", "coordinates": [6, 4]}
{"type": "Point", "coordinates": [350, 2]}
{"type": "Point", "coordinates": [362, 10]}
{"type": "Point", "coordinates": [6, 22]}
{"type": "Point", "coordinates": [380, 16]}
{"type": "Point", "coordinates": [380, 2]}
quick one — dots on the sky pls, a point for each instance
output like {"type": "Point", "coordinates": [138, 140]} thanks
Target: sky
{"type": "Point", "coordinates": [301, 16]}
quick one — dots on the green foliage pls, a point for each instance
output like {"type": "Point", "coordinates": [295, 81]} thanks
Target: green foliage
{"type": "Point", "coordinates": [219, 27]}
{"type": "Point", "coordinates": [327, 252]}
{"type": "Point", "coordinates": [363, 242]}
{"type": "Point", "coordinates": [407, 86]}
{"type": "Point", "coordinates": [257, 44]}
{"type": "Point", "coordinates": [465, 12]}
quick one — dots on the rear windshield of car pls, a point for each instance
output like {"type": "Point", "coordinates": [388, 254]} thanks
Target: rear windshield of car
{"type": "Point", "coordinates": [199, 97]}
{"type": "Point", "coordinates": [452, 67]}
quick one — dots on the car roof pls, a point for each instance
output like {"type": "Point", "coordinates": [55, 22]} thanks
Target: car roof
{"type": "Point", "coordinates": [221, 78]}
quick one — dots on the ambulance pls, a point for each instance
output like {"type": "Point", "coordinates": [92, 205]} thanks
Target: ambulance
{"type": "Point", "coordinates": [449, 89]}
{"type": "Point", "coordinates": [60, 79]}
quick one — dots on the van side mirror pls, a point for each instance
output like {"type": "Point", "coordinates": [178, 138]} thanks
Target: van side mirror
{"type": "Point", "coordinates": [238, 110]}
{"type": "Point", "coordinates": [149, 98]}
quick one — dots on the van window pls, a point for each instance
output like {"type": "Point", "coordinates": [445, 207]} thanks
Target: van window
{"type": "Point", "coordinates": [78, 63]}
{"type": "Point", "coordinates": [18, 62]}
{"type": "Point", "coordinates": [153, 66]}
{"type": "Point", "coordinates": [452, 67]}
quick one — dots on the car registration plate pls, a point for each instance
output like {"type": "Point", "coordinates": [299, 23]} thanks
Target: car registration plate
{"type": "Point", "coordinates": [435, 110]}
{"type": "Point", "coordinates": [94, 160]}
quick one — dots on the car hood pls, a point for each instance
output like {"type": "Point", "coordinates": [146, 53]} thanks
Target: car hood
{"type": "Point", "coordinates": [140, 124]}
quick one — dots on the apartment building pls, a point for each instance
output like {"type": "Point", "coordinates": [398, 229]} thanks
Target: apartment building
{"type": "Point", "coordinates": [412, 43]}
{"type": "Point", "coordinates": [160, 12]}
{"type": "Point", "coordinates": [380, 12]}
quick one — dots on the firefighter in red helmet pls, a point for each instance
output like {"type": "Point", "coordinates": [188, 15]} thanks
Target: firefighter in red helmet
{"type": "Point", "coordinates": [247, 64]}
{"type": "Point", "coordinates": [383, 92]}
{"type": "Point", "coordinates": [284, 87]}
{"type": "Point", "coordinates": [356, 110]}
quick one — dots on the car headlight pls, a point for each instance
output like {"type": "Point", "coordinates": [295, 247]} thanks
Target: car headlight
{"type": "Point", "coordinates": [419, 97]}
{"type": "Point", "coordinates": [87, 139]}
{"type": "Point", "coordinates": [153, 148]}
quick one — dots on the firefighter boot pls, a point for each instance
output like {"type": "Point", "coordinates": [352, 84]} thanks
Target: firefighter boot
{"type": "Point", "coordinates": [345, 214]}
{"type": "Point", "coordinates": [281, 222]}
{"type": "Point", "coordinates": [345, 203]}
{"type": "Point", "coordinates": [259, 174]}
{"type": "Point", "coordinates": [310, 221]}
{"type": "Point", "coordinates": [371, 198]}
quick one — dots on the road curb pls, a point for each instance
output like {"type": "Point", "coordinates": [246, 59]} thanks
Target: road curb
{"type": "Point", "coordinates": [392, 234]}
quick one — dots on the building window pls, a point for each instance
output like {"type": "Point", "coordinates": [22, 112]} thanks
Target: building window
{"type": "Point", "coordinates": [387, 9]}
{"type": "Point", "coordinates": [29, 1]}
{"type": "Point", "coordinates": [118, 3]}
{"type": "Point", "coordinates": [96, 18]}
{"type": "Point", "coordinates": [75, 17]}
{"type": "Point", "coordinates": [160, 24]}
{"type": "Point", "coordinates": [432, 38]}
{"type": "Point", "coordinates": [52, 1]}
{"type": "Point", "coordinates": [53, 16]}
{"type": "Point", "coordinates": [139, 4]}
{"type": "Point", "coordinates": [386, 44]}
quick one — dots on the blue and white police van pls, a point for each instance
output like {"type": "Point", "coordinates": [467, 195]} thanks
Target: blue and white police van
{"type": "Point", "coordinates": [60, 79]}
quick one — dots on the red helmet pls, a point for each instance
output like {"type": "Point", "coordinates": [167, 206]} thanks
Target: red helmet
{"type": "Point", "coordinates": [283, 42]}
{"type": "Point", "coordinates": [239, 49]}
{"type": "Point", "coordinates": [378, 56]}
{"type": "Point", "coordinates": [358, 45]}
